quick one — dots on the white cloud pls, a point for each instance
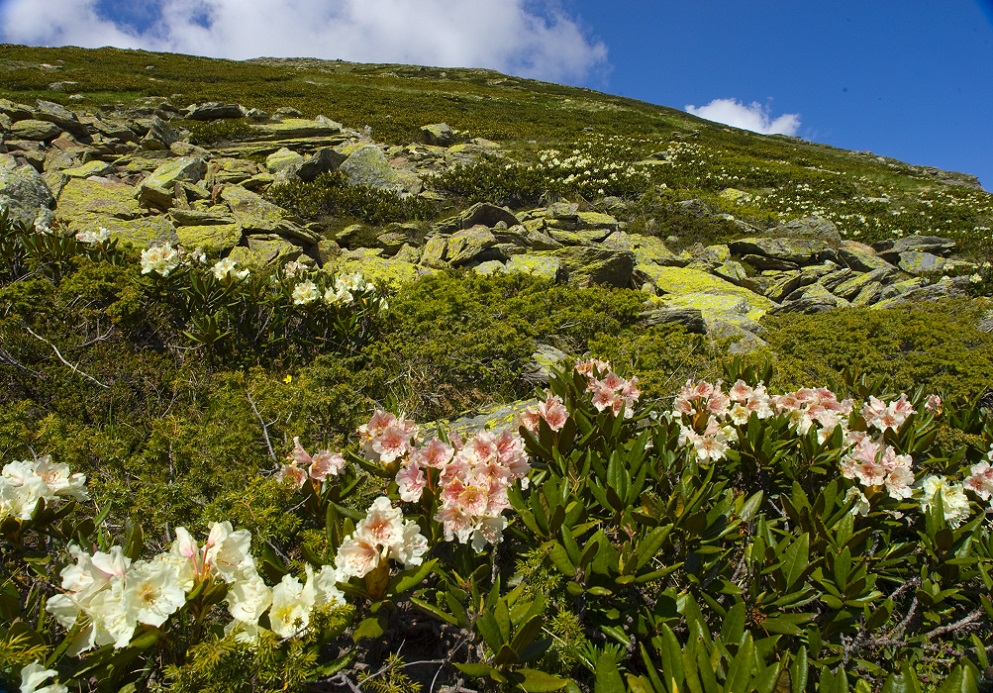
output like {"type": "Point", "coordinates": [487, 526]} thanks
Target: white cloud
{"type": "Point", "coordinates": [754, 117]}
{"type": "Point", "coordinates": [530, 38]}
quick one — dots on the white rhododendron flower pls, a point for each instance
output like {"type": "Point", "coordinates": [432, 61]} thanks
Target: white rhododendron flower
{"type": "Point", "coordinates": [382, 534]}
{"type": "Point", "coordinates": [229, 552]}
{"type": "Point", "coordinates": [861, 506]}
{"type": "Point", "coordinates": [291, 604]}
{"type": "Point", "coordinates": [94, 237]}
{"type": "Point", "coordinates": [23, 483]}
{"type": "Point", "coordinates": [153, 592]}
{"type": "Point", "coordinates": [225, 269]}
{"type": "Point", "coordinates": [35, 674]}
{"type": "Point", "coordinates": [248, 598]}
{"type": "Point", "coordinates": [305, 293]}
{"type": "Point", "coordinates": [953, 499]}
{"type": "Point", "coordinates": [161, 259]}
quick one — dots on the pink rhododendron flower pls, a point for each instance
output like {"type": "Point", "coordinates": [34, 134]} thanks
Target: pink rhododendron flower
{"type": "Point", "coordinates": [980, 480]}
{"type": "Point", "coordinates": [933, 404]}
{"type": "Point", "coordinates": [553, 412]}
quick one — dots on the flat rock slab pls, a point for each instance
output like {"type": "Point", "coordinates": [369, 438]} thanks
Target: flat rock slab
{"type": "Point", "coordinates": [24, 193]}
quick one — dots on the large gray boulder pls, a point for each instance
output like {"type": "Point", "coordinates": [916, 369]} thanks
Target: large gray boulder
{"type": "Point", "coordinates": [368, 165]}
{"type": "Point", "coordinates": [60, 116]}
{"type": "Point", "coordinates": [438, 134]}
{"type": "Point", "coordinates": [24, 193]}
{"type": "Point", "coordinates": [214, 110]}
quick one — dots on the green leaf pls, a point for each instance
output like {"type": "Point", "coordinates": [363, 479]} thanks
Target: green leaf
{"type": "Point", "coordinates": [795, 560]}
{"type": "Point", "coordinates": [608, 678]}
{"type": "Point", "coordinates": [799, 670]}
{"type": "Point", "coordinates": [560, 558]}
{"type": "Point", "coordinates": [962, 679]}
{"type": "Point", "coordinates": [434, 611]}
{"type": "Point", "coordinates": [540, 682]}
{"type": "Point", "coordinates": [409, 579]}
{"type": "Point", "coordinates": [734, 623]}
{"type": "Point", "coordinates": [740, 670]}
{"type": "Point", "coordinates": [650, 544]}
{"type": "Point", "coordinates": [752, 505]}
{"type": "Point", "coordinates": [371, 627]}
{"type": "Point", "coordinates": [473, 669]}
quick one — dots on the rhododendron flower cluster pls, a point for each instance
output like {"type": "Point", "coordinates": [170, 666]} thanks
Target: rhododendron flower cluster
{"type": "Point", "coordinates": [875, 464]}
{"type": "Point", "coordinates": [109, 595]}
{"type": "Point", "coordinates": [552, 410]}
{"type": "Point", "coordinates": [161, 259]}
{"type": "Point", "coordinates": [302, 466]}
{"type": "Point", "coordinates": [474, 486]}
{"type": "Point", "coordinates": [980, 479]}
{"type": "Point", "coordinates": [884, 416]}
{"type": "Point", "coordinates": [381, 535]}
{"type": "Point", "coordinates": [305, 293]}
{"type": "Point", "coordinates": [610, 391]}
{"type": "Point", "coordinates": [471, 478]}
{"type": "Point", "coordinates": [707, 413]}
{"type": "Point", "coordinates": [819, 405]}
{"type": "Point", "coordinates": [225, 269]}
{"type": "Point", "coordinates": [342, 290]}
{"type": "Point", "coordinates": [94, 237]}
{"type": "Point", "coordinates": [387, 438]}
{"type": "Point", "coordinates": [23, 483]}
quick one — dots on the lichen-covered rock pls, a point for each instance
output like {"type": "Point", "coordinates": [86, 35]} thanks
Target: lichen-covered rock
{"type": "Point", "coordinates": [690, 318]}
{"type": "Point", "coordinates": [258, 216]}
{"type": "Point", "coordinates": [914, 262]}
{"type": "Point", "coordinates": [383, 272]}
{"type": "Point", "coordinates": [596, 220]}
{"type": "Point", "coordinates": [214, 110]}
{"type": "Point", "coordinates": [799, 251]}
{"type": "Point", "coordinates": [15, 111]}
{"type": "Point", "coordinates": [479, 214]}
{"type": "Point", "coordinates": [536, 264]}
{"type": "Point", "coordinates": [190, 169]}
{"type": "Point", "coordinates": [295, 128]}
{"type": "Point", "coordinates": [544, 361]}
{"type": "Point", "coordinates": [489, 267]}
{"type": "Point", "coordinates": [61, 117]}
{"type": "Point", "coordinates": [213, 238]}
{"type": "Point", "coordinates": [229, 170]}
{"type": "Point", "coordinates": [35, 130]}
{"type": "Point", "coordinates": [947, 287]}
{"type": "Point", "coordinates": [589, 266]}
{"type": "Point", "coordinates": [81, 198]}
{"type": "Point", "coordinates": [646, 249]}
{"type": "Point", "coordinates": [854, 285]}
{"type": "Point", "coordinates": [24, 193]}
{"type": "Point", "coordinates": [809, 299]}
{"type": "Point", "coordinates": [140, 233]}
{"type": "Point", "coordinates": [434, 252]}
{"type": "Point", "coordinates": [90, 168]}
{"type": "Point", "coordinates": [368, 165]}
{"type": "Point", "coordinates": [438, 134]}
{"type": "Point", "coordinates": [814, 227]}
{"type": "Point", "coordinates": [324, 160]}
{"type": "Point", "coordinates": [860, 257]}
{"type": "Point", "coordinates": [467, 246]}
{"type": "Point", "coordinates": [284, 161]}
{"type": "Point", "coordinates": [936, 245]}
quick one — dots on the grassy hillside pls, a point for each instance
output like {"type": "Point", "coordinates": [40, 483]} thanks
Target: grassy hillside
{"type": "Point", "coordinates": [821, 540]}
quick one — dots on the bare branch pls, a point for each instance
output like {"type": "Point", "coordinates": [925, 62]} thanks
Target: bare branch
{"type": "Point", "coordinates": [75, 368]}
{"type": "Point", "coordinates": [265, 428]}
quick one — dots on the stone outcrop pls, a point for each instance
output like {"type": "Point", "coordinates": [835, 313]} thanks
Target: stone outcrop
{"type": "Point", "coordinates": [135, 172]}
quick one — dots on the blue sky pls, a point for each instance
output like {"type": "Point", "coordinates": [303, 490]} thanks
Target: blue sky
{"type": "Point", "coordinates": [911, 79]}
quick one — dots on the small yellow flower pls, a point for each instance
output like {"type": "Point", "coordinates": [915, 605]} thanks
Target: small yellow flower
{"type": "Point", "coordinates": [288, 379]}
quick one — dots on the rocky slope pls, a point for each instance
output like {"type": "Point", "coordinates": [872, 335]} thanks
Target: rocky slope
{"type": "Point", "coordinates": [135, 172]}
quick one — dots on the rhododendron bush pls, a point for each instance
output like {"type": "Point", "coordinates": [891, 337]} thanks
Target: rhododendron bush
{"type": "Point", "coordinates": [736, 540]}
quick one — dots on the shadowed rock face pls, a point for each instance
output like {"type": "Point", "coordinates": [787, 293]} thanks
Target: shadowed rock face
{"type": "Point", "coordinates": [136, 174]}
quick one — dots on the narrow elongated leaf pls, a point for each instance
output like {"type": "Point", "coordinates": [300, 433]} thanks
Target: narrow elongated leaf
{"type": "Point", "coordinates": [608, 678]}
{"type": "Point", "coordinates": [795, 560]}
{"type": "Point", "coordinates": [740, 669]}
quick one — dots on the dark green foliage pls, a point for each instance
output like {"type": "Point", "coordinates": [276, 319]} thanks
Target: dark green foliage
{"type": "Point", "coordinates": [208, 132]}
{"type": "Point", "coordinates": [938, 347]}
{"type": "Point", "coordinates": [330, 195]}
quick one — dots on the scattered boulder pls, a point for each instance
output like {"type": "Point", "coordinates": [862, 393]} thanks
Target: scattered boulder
{"type": "Point", "coordinates": [589, 266]}
{"type": "Point", "coordinates": [62, 117]}
{"type": "Point", "coordinates": [690, 318]}
{"type": "Point", "coordinates": [25, 195]}
{"type": "Point", "coordinates": [368, 165]}
{"type": "Point", "coordinates": [214, 110]}
{"type": "Point", "coordinates": [35, 130]}
{"type": "Point", "coordinates": [284, 162]}
{"type": "Point", "coordinates": [814, 227]}
{"type": "Point", "coordinates": [324, 160]}
{"type": "Point", "coordinates": [471, 246]}
{"type": "Point", "coordinates": [479, 214]}
{"type": "Point", "coordinates": [438, 134]}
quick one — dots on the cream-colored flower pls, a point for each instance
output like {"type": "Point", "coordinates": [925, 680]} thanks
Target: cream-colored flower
{"type": "Point", "coordinates": [305, 293]}
{"type": "Point", "coordinates": [248, 598]}
{"type": "Point", "coordinates": [225, 269]}
{"type": "Point", "coordinates": [35, 674]}
{"type": "Point", "coordinates": [153, 591]}
{"type": "Point", "coordinates": [291, 605]}
{"type": "Point", "coordinates": [229, 552]}
{"type": "Point", "coordinates": [161, 259]}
